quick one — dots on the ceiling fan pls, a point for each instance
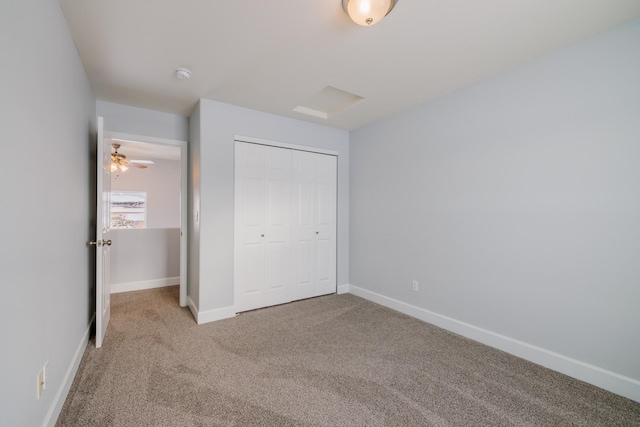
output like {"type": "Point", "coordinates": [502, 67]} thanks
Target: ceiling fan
{"type": "Point", "coordinates": [120, 162]}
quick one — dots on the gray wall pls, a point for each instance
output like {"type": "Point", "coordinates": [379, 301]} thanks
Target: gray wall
{"type": "Point", "coordinates": [515, 203]}
{"type": "Point", "coordinates": [161, 181]}
{"type": "Point", "coordinates": [151, 253]}
{"type": "Point", "coordinates": [144, 255]}
{"type": "Point", "coordinates": [47, 117]}
{"type": "Point", "coordinates": [140, 121]}
{"type": "Point", "coordinates": [218, 124]}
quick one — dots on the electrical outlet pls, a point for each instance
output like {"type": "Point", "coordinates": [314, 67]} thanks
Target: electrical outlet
{"type": "Point", "coordinates": [42, 380]}
{"type": "Point", "coordinates": [414, 286]}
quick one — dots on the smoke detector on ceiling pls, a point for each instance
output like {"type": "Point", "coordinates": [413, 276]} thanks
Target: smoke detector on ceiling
{"type": "Point", "coordinates": [183, 73]}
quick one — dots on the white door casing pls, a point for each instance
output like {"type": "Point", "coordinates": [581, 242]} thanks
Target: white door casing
{"type": "Point", "coordinates": [103, 235]}
{"type": "Point", "coordinates": [285, 225]}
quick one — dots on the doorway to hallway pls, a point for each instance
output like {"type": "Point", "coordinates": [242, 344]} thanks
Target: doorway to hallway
{"type": "Point", "coordinates": [149, 215]}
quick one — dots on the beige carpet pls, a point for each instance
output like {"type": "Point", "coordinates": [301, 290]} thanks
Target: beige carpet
{"type": "Point", "coordinates": [328, 361]}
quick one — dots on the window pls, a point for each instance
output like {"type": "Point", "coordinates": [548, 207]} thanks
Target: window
{"type": "Point", "coordinates": [128, 209]}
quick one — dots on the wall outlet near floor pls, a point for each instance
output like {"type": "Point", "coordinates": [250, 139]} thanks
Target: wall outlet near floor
{"type": "Point", "coordinates": [414, 286]}
{"type": "Point", "coordinates": [42, 380]}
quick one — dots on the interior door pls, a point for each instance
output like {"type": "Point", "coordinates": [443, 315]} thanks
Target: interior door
{"type": "Point", "coordinates": [314, 181]}
{"type": "Point", "coordinates": [262, 226]}
{"type": "Point", "coordinates": [103, 226]}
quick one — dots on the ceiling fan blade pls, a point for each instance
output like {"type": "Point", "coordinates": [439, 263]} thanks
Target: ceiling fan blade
{"type": "Point", "coordinates": [143, 162]}
{"type": "Point", "coordinates": [136, 165]}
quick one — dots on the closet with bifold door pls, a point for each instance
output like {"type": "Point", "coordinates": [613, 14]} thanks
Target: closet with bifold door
{"type": "Point", "coordinates": [285, 225]}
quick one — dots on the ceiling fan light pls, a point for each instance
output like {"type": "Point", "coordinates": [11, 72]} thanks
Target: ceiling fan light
{"type": "Point", "coordinates": [124, 168]}
{"type": "Point", "coordinates": [114, 166]}
{"type": "Point", "coordinates": [368, 12]}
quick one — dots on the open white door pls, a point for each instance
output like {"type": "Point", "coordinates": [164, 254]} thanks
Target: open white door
{"type": "Point", "coordinates": [103, 228]}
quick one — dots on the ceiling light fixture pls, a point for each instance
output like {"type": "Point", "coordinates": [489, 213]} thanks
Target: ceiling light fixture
{"type": "Point", "coordinates": [368, 12]}
{"type": "Point", "coordinates": [183, 73]}
{"type": "Point", "coordinates": [120, 161]}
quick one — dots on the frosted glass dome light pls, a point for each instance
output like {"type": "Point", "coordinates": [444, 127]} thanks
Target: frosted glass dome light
{"type": "Point", "coordinates": [368, 12]}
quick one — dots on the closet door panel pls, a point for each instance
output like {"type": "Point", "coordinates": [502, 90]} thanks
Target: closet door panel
{"type": "Point", "coordinates": [249, 248]}
{"type": "Point", "coordinates": [304, 217]}
{"type": "Point", "coordinates": [277, 269]}
{"type": "Point", "coordinates": [304, 276]}
{"type": "Point", "coordinates": [253, 205]}
{"type": "Point", "coordinates": [315, 222]}
{"type": "Point", "coordinates": [326, 193]}
{"type": "Point", "coordinates": [277, 232]}
{"type": "Point", "coordinates": [253, 255]}
{"type": "Point", "coordinates": [262, 229]}
{"type": "Point", "coordinates": [303, 213]}
{"type": "Point", "coordinates": [277, 215]}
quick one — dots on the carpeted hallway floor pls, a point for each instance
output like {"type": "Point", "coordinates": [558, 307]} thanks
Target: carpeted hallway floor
{"type": "Point", "coordinates": [328, 361]}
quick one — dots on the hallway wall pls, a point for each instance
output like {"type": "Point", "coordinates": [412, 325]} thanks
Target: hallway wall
{"type": "Point", "coordinates": [47, 117]}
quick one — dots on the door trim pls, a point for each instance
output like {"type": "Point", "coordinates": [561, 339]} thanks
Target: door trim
{"type": "Point", "coordinates": [184, 174]}
{"type": "Point", "coordinates": [260, 141]}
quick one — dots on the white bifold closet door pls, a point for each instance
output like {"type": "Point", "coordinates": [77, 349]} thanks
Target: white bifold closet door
{"type": "Point", "coordinates": [263, 226]}
{"type": "Point", "coordinates": [313, 230]}
{"type": "Point", "coordinates": [285, 225]}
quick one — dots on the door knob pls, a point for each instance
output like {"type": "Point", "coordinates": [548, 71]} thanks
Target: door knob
{"type": "Point", "coordinates": [100, 243]}
{"type": "Point", "coordinates": [317, 232]}
{"type": "Point", "coordinates": [262, 235]}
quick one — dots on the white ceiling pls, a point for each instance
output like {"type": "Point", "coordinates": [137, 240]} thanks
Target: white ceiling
{"type": "Point", "coordinates": [274, 55]}
{"type": "Point", "coordinates": [136, 150]}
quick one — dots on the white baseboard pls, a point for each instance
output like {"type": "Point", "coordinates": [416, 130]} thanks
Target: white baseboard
{"type": "Point", "coordinates": [343, 289]}
{"type": "Point", "coordinates": [192, 308]}
{"type": "Point", "coordinates": [211, 315]}
{"type": "Point", "coordinates": [67, 380]}
{"type": "Point", "coordinates": [144, 284]}
{"type": "Point", "coordinates": [616, 383]}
